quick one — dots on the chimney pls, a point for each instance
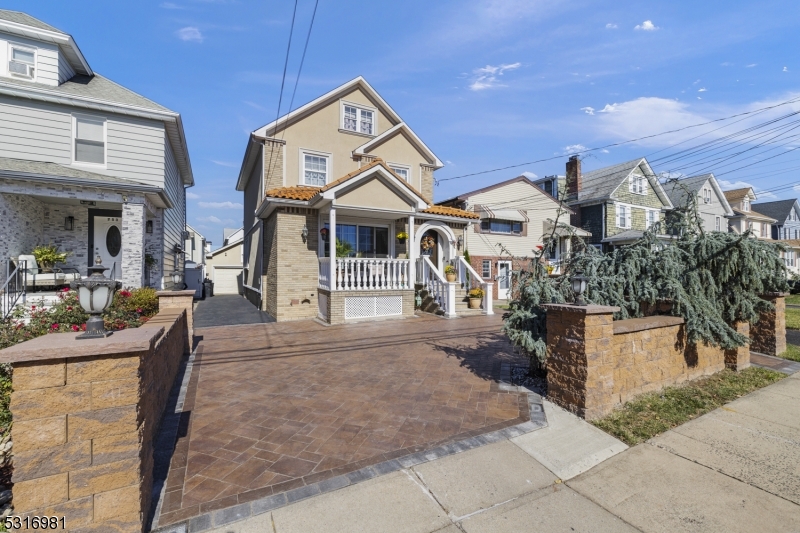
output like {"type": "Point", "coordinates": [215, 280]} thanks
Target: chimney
{"type": "Point", "coordinates": [574, 186]}
{"type": "Point", "coordinates": [574, 179]}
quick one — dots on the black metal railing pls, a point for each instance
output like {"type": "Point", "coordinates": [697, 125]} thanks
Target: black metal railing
{"type": "Point", "coordinates": [14, 286]}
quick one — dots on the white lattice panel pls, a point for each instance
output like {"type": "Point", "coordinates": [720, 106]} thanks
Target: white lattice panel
{"type": "Point", "coordinates": [372, 306]}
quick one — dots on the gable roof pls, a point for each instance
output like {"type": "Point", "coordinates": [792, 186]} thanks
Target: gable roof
{"type": "Point", "coordinates": [303, 111]}
{"type": "Point", "coordinates": [400, 129]}
{"type": "Point", "coordinates": [779, 210]}
{"type": "Point", "coordinates": [600, 184]}
{"type": "Point", "coordinates": [24, 25]}
{"type": "Point", "coordinates": [464, 196]}
{"type": "Point", "coordinates": [738, 213]}
{"type": "Point", "coordinates": [734, 195]}
{"type": "Point", "coordinates": [679, 189]}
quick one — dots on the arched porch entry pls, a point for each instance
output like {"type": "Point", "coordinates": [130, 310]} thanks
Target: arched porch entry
{"type": "Point", "coordinates": [444, 251]}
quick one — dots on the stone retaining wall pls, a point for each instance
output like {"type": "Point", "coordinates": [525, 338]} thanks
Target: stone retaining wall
{"type": "Point", "coordinates": [84, 416]}
{"type": "Point", "coordinates": [595, 363]}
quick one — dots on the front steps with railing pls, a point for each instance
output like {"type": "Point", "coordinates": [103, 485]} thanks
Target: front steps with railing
{"type": "Point", "coordinates": [430, 305]}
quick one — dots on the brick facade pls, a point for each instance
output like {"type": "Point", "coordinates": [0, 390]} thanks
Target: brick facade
{"type": "Point", "coordinates": [85, 414]}
{"type": "Point", "coordinates": [517, 264]}
{"type": "Point", "coordinates": [273, 164]}
{"type": "Point", "coordinates": [133, 228]}
{"type": "Point", "coordinates": [595, 363]}
{"type": "Point", "coordinates": [768, 335]}
{"type": "Point", "coordinates": [427, 182]}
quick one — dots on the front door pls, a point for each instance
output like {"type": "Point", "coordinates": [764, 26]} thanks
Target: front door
{"type": "Point", "coordinates": [108, 244]}
{"type": "Point", "coordinates": [503, 280]}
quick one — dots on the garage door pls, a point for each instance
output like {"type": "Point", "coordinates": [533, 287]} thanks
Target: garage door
{"type": "Point", "coordinates": [226, 280]}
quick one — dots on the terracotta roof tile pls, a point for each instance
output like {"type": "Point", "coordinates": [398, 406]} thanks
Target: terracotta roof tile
{"type": "Point", "coordinates": [451, 212]}
{"type": "Point", "coordinates": [378, 161]}
{"type": "Point", "coordinates": [297, 192]}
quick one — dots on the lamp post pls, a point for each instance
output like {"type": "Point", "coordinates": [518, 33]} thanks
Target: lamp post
{"type": "Point", "coordinates": [177, 277]}
{"type": "Point", "coordinates": [579, 286]}
{"type": "Point", "coordinates": [95, 294]}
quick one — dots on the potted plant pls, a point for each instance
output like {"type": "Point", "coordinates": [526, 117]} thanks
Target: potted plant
{"type": "Point", "coordinates": [450, 273]}
{"type": "Point", "coordinates": [475, 297]}
{"type": "Point", "coordinates": [402, 237]}
{"type": "Point", "coordinates": [150, 262]}
{"type": "Point", "coordinates": [427, 244]}
{"type": "Point", "coordinates": [48, 256]}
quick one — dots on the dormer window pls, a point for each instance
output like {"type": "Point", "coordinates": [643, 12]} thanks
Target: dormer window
{"type": "Point", "coordinates": [636, 185]}
{"type": "Point", "coordinates": [358, 119]}
{"type": "Point", "coordinates": [22, 62]}
{"type": "Point", "coordinates": [746, 204]}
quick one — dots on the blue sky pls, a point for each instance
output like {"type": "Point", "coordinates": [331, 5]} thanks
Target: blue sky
{"type": "Point", "coordinates": [485, 83]}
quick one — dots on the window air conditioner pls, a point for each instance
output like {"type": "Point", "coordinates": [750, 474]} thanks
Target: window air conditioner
{"type": "Point", "coordinates": [706, 200]}
{"type": "Point", "coordinates": [22, 69]}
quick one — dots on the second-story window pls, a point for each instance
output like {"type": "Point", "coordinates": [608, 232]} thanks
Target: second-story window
{"type": "Point", "coordinates": [636, 185]}
{"type": "Point", "coordinates": [358, 119]}
{"type": "Point", "coordinates": [746, 204]}
{"type": "Point", "coordinates": [22, 62]}
{"type": "Point", "coordinates": [400, 171]}
{"type": "Point", "coordinates": [652, 218]}
{"type": "Point", "coordinates": [707, 196]}
{"type": "Point", "coordinates": [90, 140]}
{"type": "Point", "coordinates": [315, 169]}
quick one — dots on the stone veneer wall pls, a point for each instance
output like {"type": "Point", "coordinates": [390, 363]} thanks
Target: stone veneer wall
{"type": "Point", "coordinates": [595, 363]}
{"type": "Point", "coordinates": [21, 229]}
{"type": "Point", "coordinates": [76, 242]}
{"type": "Point", "coordinates": [768, 335]}
{"type": "Point", "coordinates": [336, 303]}
{"type": "Point", "coordinates": [85, 413]}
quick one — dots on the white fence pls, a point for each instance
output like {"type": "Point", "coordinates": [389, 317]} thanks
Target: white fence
{"type": "Point", "coordinates": [362, 274]}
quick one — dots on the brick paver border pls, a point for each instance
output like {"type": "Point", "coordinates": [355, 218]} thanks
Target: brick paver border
{"type": "Point", "coordinates": [222, 517]}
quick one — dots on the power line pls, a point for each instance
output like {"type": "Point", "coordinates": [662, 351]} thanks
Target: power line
{"type": "Point", "coordinates": [755, 111]}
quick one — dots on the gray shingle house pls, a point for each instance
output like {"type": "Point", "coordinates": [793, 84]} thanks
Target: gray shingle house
{"type": "Point", "coordinates": [86, 164]}
{"type": "Point", "coordinates": [615, 204]}
{"type": "Point", "coordinates": [787, 214]}
{"type": "Point", "coordinates": [712, 207]}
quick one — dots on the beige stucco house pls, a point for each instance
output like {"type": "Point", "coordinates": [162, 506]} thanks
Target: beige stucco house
{"type": "Point", "coordinates": [517, 218]}
{"type": "Point", "coordinates": [347, 161]}
{"type": "Point", "coordinates": [744, 217]}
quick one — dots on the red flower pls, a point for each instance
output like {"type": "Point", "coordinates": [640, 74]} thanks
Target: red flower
{"type": "Point", "coordinates": [54, 326]}
{"type": "Point", "coordinates": [125, 294]}
{"type": "Point", "coordinates": [33, 307]}
{"type": "Point", "coordinates": [139, 310]}
{"type": "Point", "coordinates": [75, 328]}
{"type": "Point", "coordinates": [539, 247]}
{"type": "Point", "coordinates": [69, 308]}
{"type": "Point", "coordinates": [65, 289]}
{"type": "Point", "coordinates": [83, 327]}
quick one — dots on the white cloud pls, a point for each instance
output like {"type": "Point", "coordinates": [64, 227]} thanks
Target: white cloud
{"type": "Point", "coordinates": [224, 163]}
{"type": "Point", "coordinates": [611, 26]}
{"type": "Point", "coordinates": [647, 25]}
{"type": "Point", "coordinates": [530, 175]}
{"type": "Point", "coordinates": [702, 90]}
{"type": "Point", "coordinates": [190, 33]}
{"type": "Point", "coordinates": [604, 151]}
{"type": "Point", "coordinates": [211, 218]}
{"type": "Point", "coordinates": [486, 77]}
{"type": "Point", "coordinates": [574, 149]}
{"type": "Point", "coordinates": [192, 196]}
{"type": "Point", "coordinates": [726, 64]}
{"type": "Point", "coordinates": [751, 65]}
{"type": "Point", "coordinates": [609, 108]}
{"type": "Point", "coordinates": [220, 205]}
{"type": "Point", "coordinates": [254, 105]}
{"type": "Point", "coordinates": [588, 110]}
{"type": "Point", "coordinates": [786, 69]}
{"type": "Point", "coordinates": [448, 162]}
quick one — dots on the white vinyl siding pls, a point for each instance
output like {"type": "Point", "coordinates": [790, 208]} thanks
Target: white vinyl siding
{"type": "Point", "coordinates": [46, 58]}
{"type": "Point", "coordinates": [135, 149]}
{"type": "Point", "coordinates": [65, 70]}
{"type": "Point", "coordinates": [174, 219]}
{"type": "Point", "coordinates": [35, 131]}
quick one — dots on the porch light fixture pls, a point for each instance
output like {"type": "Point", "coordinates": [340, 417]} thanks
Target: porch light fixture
{"type": "Point", "coordinates": [95, 294]}
{"type": "Point", "coordinates": [177, 278]}
{"type": "Point", "coordinates": [69, 223]}
{"type": "Point", "coordinates": [90, 203]}
{"type": "Point", "coordinates": [579, 286]}
{"type": "Point", "coordinates": [324, 234]}
{"type": "Point", "coordinates": [148, 226]}
{"type": "Point", "coordinates": [304, 233]}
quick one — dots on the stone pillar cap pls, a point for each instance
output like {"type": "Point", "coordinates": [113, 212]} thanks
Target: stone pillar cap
{"type": "Point", "coordinates": [188, 292]}
{"type": "Point", "coordinates": [582, 309]}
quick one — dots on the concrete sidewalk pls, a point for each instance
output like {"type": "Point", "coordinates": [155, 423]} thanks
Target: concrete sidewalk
{"type": "Point", "coordinates": [735, 469]}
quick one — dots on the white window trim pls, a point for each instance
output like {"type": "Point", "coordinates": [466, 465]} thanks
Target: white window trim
{"type": "Point", "coordinates": [374, 111]}
{"type": "Point", "coordinates": [632, 188]}
{"type": "Point", "coordinates": [483, 270]}
{"type": "Point", "coordinates": [302, 165]}
{"type": "Point", "coordinates": [407, 168]}
{"type": "Point", "coordinates": [27, 48]}
{"type": "Point", "coordinates": [74, 137]}
{"type": "Point", "coordinates": [717, 223]}
{"type": "Point", "coordinates": [629, 216]}
{"type": "Point", "coordinates": [647, 217]}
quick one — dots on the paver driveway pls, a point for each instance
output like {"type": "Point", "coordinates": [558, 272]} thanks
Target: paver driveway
{"type": "Point", "coordinates": [278, 406]}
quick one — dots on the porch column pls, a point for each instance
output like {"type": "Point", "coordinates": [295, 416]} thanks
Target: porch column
{"type": "Point", "coordinates": [332, 247]}
{"type": "Point", "coordinates": [412, 253]}
{"type": "Point", "coordinates": [133, 225]}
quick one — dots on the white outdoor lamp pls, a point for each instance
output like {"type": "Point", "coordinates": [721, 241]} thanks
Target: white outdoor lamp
{"type": "Point", "coordinates": [579, 286]}
{"type": "Point", "coordinates": [176, 277]}
{"type": "Point", "coordinates": [95, 294]}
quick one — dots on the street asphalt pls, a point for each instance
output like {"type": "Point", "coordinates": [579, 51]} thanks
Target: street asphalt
{"type": "Point", "coordinates": [227, 310]}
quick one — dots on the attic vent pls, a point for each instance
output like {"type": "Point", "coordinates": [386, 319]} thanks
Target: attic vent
{"type": "Point", "coordinates": [22, 69]}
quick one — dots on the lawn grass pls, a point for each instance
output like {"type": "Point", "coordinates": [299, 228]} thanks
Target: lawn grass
{"type": "Point", "coordinates": [792, 318]}
{"type": "Point", "coordinates": [654, 413]}
{"type": "Point", "coordinates": [792, 353]}
{"type": "Point", "coordinates": [793, 299]}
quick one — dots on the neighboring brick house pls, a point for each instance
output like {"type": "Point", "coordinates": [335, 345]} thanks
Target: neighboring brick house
{"type": "Point", "coordinates": [745, 217]}
{"type": "Point", "coordinates": [616, 204]}
{"type": "Point", "coordinates": [346, 169]}
{"type": "Point", "coordinates": [712, 207]}
{"type": "Point", "coordinates": [85, 164]}
{"type": "Point", "coordinates": [516, 218]}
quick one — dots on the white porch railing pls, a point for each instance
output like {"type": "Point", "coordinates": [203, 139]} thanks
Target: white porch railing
{"type": "Point", "coordinates": [441, 291]}
{"type": "Point", "coordinates": [363, 274]}
{"type": "Point", "coordinates": [325, 273]}
{"type": "Point", "coordinates": [470, 279]}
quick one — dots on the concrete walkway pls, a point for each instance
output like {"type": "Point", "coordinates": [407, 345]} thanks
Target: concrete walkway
{"type": "Point", "coordinates": [227, 310]}
{"type": "Point", "coordinates": [734, 469]}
